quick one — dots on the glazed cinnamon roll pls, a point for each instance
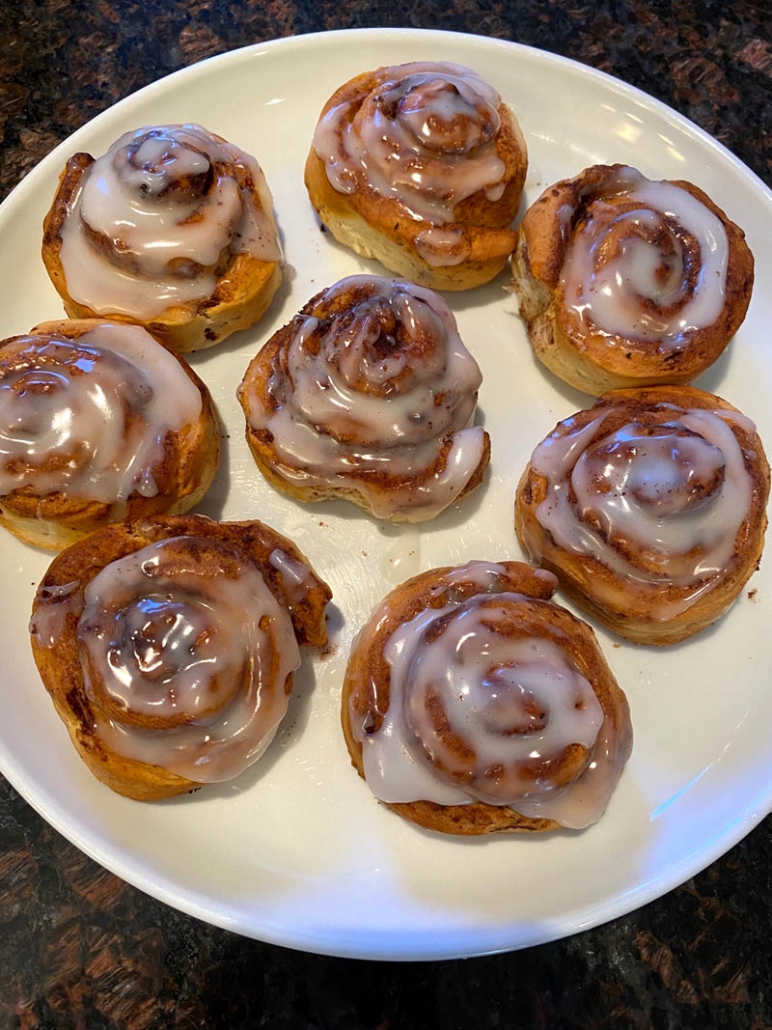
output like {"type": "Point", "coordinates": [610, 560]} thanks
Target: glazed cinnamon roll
{"type": "Point", "coordinates": [473, 704]}
{"type": "Point", "coordinates": [98, 422]}
{"type": "Point", "coordinates": [626, 282]}
{"type": "Point", "coordinates": [422, 167]}
{"type": "Point", "coordinates": [169, 647]}
{"type": "Point", "coordinates": [172, 228]}
{"type": "Point", "coordinates": [369, 395]}
{"type": "Point", "coordinates": [650, 507]}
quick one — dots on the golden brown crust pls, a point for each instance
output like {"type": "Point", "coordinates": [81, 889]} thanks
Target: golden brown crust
{"type": "Point", "coordinates": [478, 239]}
{"type": "Point", "coordinates": [367, 684]}
{"type": "Point", "coordinates": [277, 388]}
{"type": "Point", "coordinates": [633, 590]}
{"type": "Point", "coordinates": [579, 352]}
{"type": "Point", "coordinates": [182, 474]}
{"type": "Point", "coordinates": [245, 284]}
{"type": "Point", "coordinates": [59, 602]}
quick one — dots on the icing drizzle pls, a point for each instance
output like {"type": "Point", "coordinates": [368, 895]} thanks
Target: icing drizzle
{"type": "Point", "coordinates": [423, 134]}
{"type": "Point", "coordinates": [481, 707]}
{"type": "Point", "coordinates": [379, 387]}
{"type": "Point", "coordinates": [90, 416]}
{"type": "Point", "coordinates": [155, 220]}
{"type": "Point", "coordinates": [646, 261]}
{"type": "Point", "coordinates": [186, 658]}
{"type": "Point", "coordinates": [658, 501]}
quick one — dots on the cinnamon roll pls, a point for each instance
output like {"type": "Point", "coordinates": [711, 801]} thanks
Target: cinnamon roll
{"type": "Point", "coordinates": [626, 282]}
{"type": "Point", "coordinates": [474, 704]}
{"type": "Point", "coordinates": [98, 422]}
{"type": "Point", "coordinates": [650, 507]}
{"type": "Point", "coordinates": [369, 395]}
{"type": "Point", "coordinates": [422, 167]}
{"type": "Point", "coordinates": [172, 228]}
{"type": "Point", "coordinates": [169, 647]}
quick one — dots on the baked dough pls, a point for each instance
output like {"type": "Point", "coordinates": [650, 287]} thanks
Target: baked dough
{"type": "Point", "coordinates": [169, 647]}
{"type": "Point", "coordinates": [650, 507]}
{"type": "Point", "coordinates": [420, 166]}
{"type": "Point", "coordinates": [98, 422]}
{"type": "Point", "coordinates": [625, 282]}
{"type": "Point", "coordinates": [180, 186]}
{"type": "Point", "coordinates": [473, 704]}
{"type": "Point", "coordinates": [368, 395]}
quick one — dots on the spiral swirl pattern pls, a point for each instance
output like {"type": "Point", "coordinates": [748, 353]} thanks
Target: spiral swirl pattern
{"type": "Point", "coordinates": [90, 416]}
{"type": "Point", "coordinates": [421, 166]}
{"type": "Point", "coordinates": [647, 262]}
{"type": "Point", "coordinates": [464, 691]}
{"type": "Point", "coordinates": [491, 704]}
{"type": "Point", "coordinates": [423, 133]}
{"type": "Point", "coordinates": [648, 502]}
{"type": "Point", "coordinates": [188, 658]}
{"type": "Point", "coordinates": [173, 224]}
{"type": "Point", "coordinates": [626, 281]}
{"type": "Point", "coordinates": [369, 389]}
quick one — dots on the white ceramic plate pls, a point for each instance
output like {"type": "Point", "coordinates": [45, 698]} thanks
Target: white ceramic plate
{"type": "Point", "coordinates": [296, 851]}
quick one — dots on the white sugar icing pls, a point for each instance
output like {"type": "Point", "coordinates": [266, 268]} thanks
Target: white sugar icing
{"type": "Point", "coordinates": [203, 659]}
{"type": "Point", "coordinates": [89, 417]}
{"type": "Point", "coordinates": [515, 701]}
{"type": "Point", "coordinates": [425, 136]}
{"type": "Point", "coordinates": [678, 494]}
{"type": "Point", "coordinates": [169, 242]}
{"type": "Point", "coordinates": [653, 269]}
{"type": "Point", "coordinates": [330, 429]}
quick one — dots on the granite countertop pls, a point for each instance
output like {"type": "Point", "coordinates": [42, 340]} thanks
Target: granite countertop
{"type": "Point", "coordinates": [78, 947]}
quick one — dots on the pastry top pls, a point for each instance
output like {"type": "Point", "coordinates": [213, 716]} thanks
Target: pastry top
{"type": "Point", "coordinates": [172, 228]}
{"type": "Point", "coordinates": [98, 421]}
{"type": "Point", "coordinates": [428, 157]}
{"type": "Point", "coordinates": [624, 281]}
{"type": "Point", "coordinates": [368, 394]}
{"type": "Point", "coordinates": [474, 704]}
{"type": "Point", "coordinates": [169, 645]}
{"type": "Point", "coordinates": [651, 508]}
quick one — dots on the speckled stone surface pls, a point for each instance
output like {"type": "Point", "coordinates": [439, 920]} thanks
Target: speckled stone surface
{"type": "Point", "coordinates": [81, 949]}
